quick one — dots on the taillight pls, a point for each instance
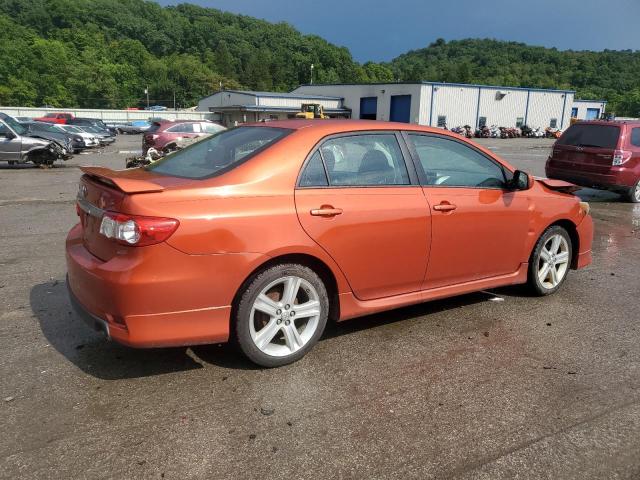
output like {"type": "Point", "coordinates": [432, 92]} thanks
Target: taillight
{"type": "Point", "coordinates": [135, 230]}
{"type": "Point", "coordinates": [620, 157]}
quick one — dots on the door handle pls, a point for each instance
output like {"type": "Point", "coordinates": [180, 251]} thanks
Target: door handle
{"type": "Point", "coordinates": [326, 211]}
{"type": "Point", "coordinates": [444, 207]}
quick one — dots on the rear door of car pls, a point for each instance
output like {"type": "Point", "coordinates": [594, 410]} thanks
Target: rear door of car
{"type": "Point", "coordinates": [479, 228]}
{"type": "Point", "coordinates": [586, 148]}
{"type": "Point", "coordinates": [360, 200]}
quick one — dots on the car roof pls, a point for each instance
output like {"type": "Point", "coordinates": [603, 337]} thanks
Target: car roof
{"type": "Point", "coordinates": [346, 125]}
{"type": "Point", "coordinates": [613, 123]}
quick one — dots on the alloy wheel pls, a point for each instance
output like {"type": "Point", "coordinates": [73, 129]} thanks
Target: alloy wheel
{"type": "Point", "coordinates": [553, 262]}
{"type": "Point", "coordinates": [284, 316]}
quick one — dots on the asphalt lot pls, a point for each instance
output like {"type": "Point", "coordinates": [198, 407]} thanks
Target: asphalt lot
{"type": "Point", "coordinates": [485, 386]}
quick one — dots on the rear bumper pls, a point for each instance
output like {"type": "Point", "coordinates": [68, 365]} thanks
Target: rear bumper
{"type": "Point", "coordinates": [155, 296]}
{"type": "Point", "coordinates": [618, 178]}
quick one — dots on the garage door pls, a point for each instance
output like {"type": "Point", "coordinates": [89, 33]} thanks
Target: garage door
{"type": "Point", "coordinates": [400, 108]}
{"type": "Point", "coordinates": [368, 108]}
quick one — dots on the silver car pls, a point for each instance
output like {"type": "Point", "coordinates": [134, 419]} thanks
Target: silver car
{"type": "Point", "coordinates": [17, 147]}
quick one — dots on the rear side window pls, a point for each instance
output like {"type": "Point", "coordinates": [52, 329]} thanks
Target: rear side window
{"type": "Point", "coordinates": [314, 174]}
{"type": "Point", "coordinates": [182, 128]}
{"type": "Point", "coordinates": [364, 160]}
{"type": "Point", "coordinates": [591, 135]}
{"type": "Point", "coordinates": [635, 137]}
{"type": "Point", "coordinates": [218, 154]}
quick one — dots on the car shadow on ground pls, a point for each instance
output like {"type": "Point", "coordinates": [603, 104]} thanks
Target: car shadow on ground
{"type": "Point", "coordinates": [94, 355]}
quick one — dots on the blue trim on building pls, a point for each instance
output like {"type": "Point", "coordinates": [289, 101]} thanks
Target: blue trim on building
{"type": "Point", "coordinates": [442, 84]}
{"type": "Point", "coordinates": [478, 106]}
{"type": "Point", "coordinates": [526, 109]}
{"type": "Point", "coordinates": [589, 101]}
{"type": "Point", "coordinates": [564, 107]}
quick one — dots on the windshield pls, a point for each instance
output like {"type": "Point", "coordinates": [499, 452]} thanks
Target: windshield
{"type": "Point", "coordinates": [219, 153]}
{"type": "Point", "coordinates": [71, 128]}
{"type": "Point", "coordinates": [45, 127]}
{"type": "Point", "coordinates": [15, 126]}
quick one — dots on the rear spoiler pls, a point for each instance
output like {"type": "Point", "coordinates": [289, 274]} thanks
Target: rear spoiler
{"type": "Point", "coordinates": [122, 182]}
{"type": "Point", "coordinates": [558, 185]}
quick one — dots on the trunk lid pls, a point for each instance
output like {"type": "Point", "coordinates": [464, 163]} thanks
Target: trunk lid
{"type": "Point", "coordinates": [587, 148]}
{"type": "Point", "coordinates": [101, 190]}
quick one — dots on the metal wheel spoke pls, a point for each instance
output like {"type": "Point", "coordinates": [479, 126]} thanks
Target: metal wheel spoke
{"type": "Point", "coordinates": [307, 309]}
{"type": "Point", "coordinates": [555, 243]}
{"type": "Point", "coordinates": [291, 287]}
{"type": "Point", "coordinates": [292, 337]}
{"type": "Point", "coordinates": [266, 305]}
{"type": "Point", "coordinates": [266, 334]}
{"type": "Point", "coordinates": [545, 255]}
{"type": "Point", "coordinates": [544, 272]}
{"type": "Point", "coordinates": [554, 275]}
{"type": "Point", "coordinates": [562, 257]}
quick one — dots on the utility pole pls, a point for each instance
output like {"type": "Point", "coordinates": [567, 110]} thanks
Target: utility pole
{"type": "Point", "coordinates": [146, 92]}
{"type": "Point", "coordinates": [174, 100]}
{"type": "Point", "coordinates": [311, 82]}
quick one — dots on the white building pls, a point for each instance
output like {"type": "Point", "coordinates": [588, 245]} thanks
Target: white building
{"type": "Point", "coordinates": [452, 104]}
{"type": "Point", "coordinates": [232, 106]}
{"type": "Point", "coordinates": [588, 109]}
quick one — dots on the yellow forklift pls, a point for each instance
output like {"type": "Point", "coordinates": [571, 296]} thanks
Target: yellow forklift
{"type": "Point", "coordinates": [311, 111]}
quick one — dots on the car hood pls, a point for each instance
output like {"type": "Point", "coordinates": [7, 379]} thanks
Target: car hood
{"type": "Point", "coordinates": [35, 141]}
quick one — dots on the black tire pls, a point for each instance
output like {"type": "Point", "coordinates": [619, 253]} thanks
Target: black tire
{"type": "Point", "coordinates": [241, 329]}
{"type": "Point", "coordinates": [534, 284]}
{"type": "Point", "coordinates": [633, 194]}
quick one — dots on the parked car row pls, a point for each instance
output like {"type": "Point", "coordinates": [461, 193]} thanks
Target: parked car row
{"type": "Point", "coordinates": [42, 143]}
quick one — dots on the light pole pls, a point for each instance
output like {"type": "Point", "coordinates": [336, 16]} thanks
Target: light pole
{"type": "Point", "coordinates": [311, 82]}
{"type": "Point", "coordinates": [146, 92]}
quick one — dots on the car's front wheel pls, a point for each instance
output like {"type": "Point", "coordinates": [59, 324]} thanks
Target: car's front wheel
{"type": "Point", "coordinates": [550, 261]}
{"type": "Point", "coordinates": [281, 314]}
{"type": "Point", "coordinates": [633, 194]}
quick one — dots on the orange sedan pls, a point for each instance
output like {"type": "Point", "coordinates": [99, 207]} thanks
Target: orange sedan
{"type": "Point", "coordinates": [261, 234]}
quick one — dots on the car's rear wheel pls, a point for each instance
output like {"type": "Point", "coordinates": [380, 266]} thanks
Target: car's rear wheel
{"type": "Point", "coordinates": [633, 194]}
{"type": "Point", "coordinates": [550, 261]}
{"type": "Point", "coordinates": [281, 315]}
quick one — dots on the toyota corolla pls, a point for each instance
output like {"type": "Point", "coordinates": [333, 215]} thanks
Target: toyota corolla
{"type": "Point", "coordinates": [262, 234]}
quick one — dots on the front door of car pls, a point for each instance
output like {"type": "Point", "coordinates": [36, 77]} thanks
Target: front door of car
{"type": "Point", "coordinates": [10, 144]}
{"type": "Point", "coordinates": [358, 200]}
{"type": "Point", "coordinates": [479, 227]}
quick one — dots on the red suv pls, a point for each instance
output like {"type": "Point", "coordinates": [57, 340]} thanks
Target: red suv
{"type": "Point", "coordinates": [166, 135]}
{"type": "Point", "coordinates": [598, 154]}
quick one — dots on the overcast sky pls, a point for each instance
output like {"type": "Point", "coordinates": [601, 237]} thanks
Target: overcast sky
{"type": "Point", "coordinates": [380, 30]}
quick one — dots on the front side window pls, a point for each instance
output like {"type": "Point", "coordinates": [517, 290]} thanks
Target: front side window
{"type": "Point", "coordinates": [219, 153]}
{"type": "Point", "coordinates": [3, 130]}
{"type": "Point", "coordinates": [448, 163]}
{"type": "Point", "coordinates": [364, 160]}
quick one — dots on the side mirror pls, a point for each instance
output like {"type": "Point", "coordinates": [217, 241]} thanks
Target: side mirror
{"type": "Point", "coordinates": [519, 181]}
{"type": "Point", "coordinates": [8, 134]}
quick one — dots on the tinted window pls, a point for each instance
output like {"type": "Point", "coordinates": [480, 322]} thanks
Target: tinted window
{"type": "Point", "coordinates": [635, 137]}
{"type": "Point", "coordinates": [448, 163]}
{"type": "Point", "coordinates": [219, 153]}
{"type": "Point", "coordinates": [364, 160]}
{"type": "Point", "coordinates": [314, 174]}
{"type": "Point", "coordinates": [211, 127]}
{"type": "Point", "coordinates": [17, 127]}
{"type": "Point", "coordinates": [3, 130]}
{"type": "Point", "coordinates": [590, 135]}
{"type": "Point", "coordinates": [182, 128]}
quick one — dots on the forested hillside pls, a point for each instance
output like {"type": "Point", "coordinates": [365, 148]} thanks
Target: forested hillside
{"type": "Point", "coordinates": [611, 75]}
{"type": "Point", "coordinates": [104, 53]}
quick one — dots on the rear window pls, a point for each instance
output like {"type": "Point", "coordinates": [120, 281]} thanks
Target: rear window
{"type": "Point", "coordinates": [589, 135]}
{"type": "Point", "coordinates": [154, 127]}
{"type": "Point", "coordinates": [635, 137]}
{"type": "Point", "coordinates": [219, 153]}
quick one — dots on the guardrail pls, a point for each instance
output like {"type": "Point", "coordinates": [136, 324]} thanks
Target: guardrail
{"type": "Point", "coordinates": [110, 116]}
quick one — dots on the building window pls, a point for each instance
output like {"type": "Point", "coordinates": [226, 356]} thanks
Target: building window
{"type": "Point", "coordinates": [442, 121]}
{"type": "Point", "coordinates": [482, 121]}
{"type": "Point", "coordinates": [574, 112]}
{"type": "Point", "coordinates": [519, 122]}
{"type": "Point", "coordinates": [553, 123]}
